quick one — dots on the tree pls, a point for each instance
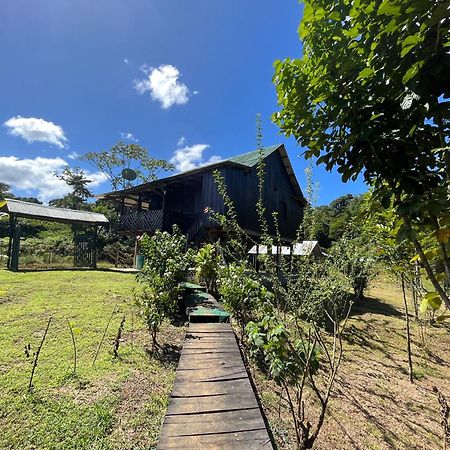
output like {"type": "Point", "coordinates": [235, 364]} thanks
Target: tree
{"type": "Point", "coordinates": [76, 179]}
{"type": "Point", "coordinates": [369, 96]}
{"type": "Point", "coordinates": [127, 156]}
{"type": "Point", "coordinates": [293, 312]}
{"type": "Point", "coordinates": [4, 190]}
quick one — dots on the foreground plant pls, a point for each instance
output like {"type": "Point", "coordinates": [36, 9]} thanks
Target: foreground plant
{"type": "Point", "coordinates": [299, 357]}
{"type": "Point", "coordinates": [207, 264]}
{"type": "Point", "coordinates": [369, 97]}
{"type": "Point", "coordinates": [166, 262]}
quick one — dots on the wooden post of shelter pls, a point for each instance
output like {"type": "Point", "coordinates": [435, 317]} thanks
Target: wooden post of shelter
{"type": "Point", "coordinates": [15, 250]}
{"type": "Point", "coordinates": [136, 245]}
{"type": "Point", "coordinates": [11, 237]}
{"type": "Point", "coordinates": [95, 249]}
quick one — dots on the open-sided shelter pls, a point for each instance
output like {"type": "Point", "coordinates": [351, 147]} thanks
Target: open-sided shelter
{"type": "Point", "coordinates": [85, 243]}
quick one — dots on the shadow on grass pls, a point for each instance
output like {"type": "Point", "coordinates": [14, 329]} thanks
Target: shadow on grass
{"type": "Point", "coordinates": [375, 306]}
{"type": "Point", "coordinates": [361, 399]}
{"type": "Point", "coordinates": [167, 354]}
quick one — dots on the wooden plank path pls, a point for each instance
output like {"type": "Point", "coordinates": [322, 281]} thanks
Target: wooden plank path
{"type": "Point", "coordinates": [212, 405]}
{"type": "Point", "coordinates": [202, 306]}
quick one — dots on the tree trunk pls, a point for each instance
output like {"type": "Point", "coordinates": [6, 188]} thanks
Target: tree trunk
{"type": "Point", "coordinates": [430, 273]}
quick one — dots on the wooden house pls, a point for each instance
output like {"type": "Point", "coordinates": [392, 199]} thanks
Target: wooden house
{"type": "Point", "coordinates": [187, 198]}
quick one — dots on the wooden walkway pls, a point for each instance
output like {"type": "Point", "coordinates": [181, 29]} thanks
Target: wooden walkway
{"type": "Point", "coordinates": [212, 405]}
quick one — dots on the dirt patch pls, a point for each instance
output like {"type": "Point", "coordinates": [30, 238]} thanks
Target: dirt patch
{"type": "Point", "coordinates": [84, 392]}
{"type": "Point", "coordinates": [144, 396]}
{"type": "Point", "coordinates": [373, 404]}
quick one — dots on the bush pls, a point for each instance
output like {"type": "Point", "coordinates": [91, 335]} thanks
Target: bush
{"type": "Point", "coordinates": [317, 290]}
{"type": "Point", "coordinates": [207, 264]}
{"type": "Point", "coordinates": [356, 261]}
{"type": "Point", "coordinates": [240, 293]}
{"type": "Point", "coordinates": [166, 263]}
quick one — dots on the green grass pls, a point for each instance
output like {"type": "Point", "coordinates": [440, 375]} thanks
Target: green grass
{"type": "Point", "coordinates": [114, 404]}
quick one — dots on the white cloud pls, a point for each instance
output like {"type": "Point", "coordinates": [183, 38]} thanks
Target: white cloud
{"type": "Point", "coordinates": [32, 129]}
{"type": "Point", "coordinates": [36, 176]}
{"type": "Point", "coordinates": [73, 155]}
{"type": "Point", "coordinates": [163, 85]}
{"type": "Point", "coordinates": [125, 60]}
{"type": "Point", "coordinates": [128, 136]}
{"type": "Point", "coordinates": [214, 159]}
{"type": "Point", "coordinates": [181, 141]}
{"type": "Point", "coordinates": [190, 157]}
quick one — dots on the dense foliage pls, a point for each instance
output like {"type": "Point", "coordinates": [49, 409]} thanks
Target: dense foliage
{"type": "Point", "coordinates": [241, 293]}
{"type": "Point", "coordinates": [370, 96]}
{"type": "Point", "coordinates": [166, 263]}
{"type": "Point", "coordinates": [207, 264]}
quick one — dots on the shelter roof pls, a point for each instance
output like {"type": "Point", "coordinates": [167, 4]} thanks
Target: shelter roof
{"type": "Point", "coordinates": [29, 210]}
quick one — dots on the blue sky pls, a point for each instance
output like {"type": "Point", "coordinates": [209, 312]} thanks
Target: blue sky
{"type": "Point", "coordinates": [183, 78]}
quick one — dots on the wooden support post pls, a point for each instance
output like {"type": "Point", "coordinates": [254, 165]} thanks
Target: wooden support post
{"type": "Point", "coordinates": [94, 250]}
{"type": "Point", "coordinates": [14, 266]}
{"type": "Point", "coordinates": [11, 237]}
{"type": "Point", "coordinates": [257, 259]}
{"type": "Point", "coordinates": [135, 252]}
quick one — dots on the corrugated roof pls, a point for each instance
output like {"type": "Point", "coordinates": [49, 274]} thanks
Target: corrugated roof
{"type": "Point", "coordinates": [50, 213]}
{"type": "Point", "coordinates": [252, 158]}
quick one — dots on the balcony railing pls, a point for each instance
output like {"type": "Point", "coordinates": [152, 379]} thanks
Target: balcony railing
{"type": "Point", "coordinates": [156, 219]}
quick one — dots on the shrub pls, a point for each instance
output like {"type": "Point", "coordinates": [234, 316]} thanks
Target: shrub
{"type": "Point", "coordinates": [166, 262]}
{"type": "Point", "coordinates": [356, 261]}
{"type": "Point", "coordinates": [240, 293]}
{"type": "Point", "coordinates": [207, 264]}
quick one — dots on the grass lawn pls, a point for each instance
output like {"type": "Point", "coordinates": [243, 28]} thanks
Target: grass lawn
{"type": "Point", "coordinates": [373, 405]}
{"type": "Point", "coordinates": [118, 403]}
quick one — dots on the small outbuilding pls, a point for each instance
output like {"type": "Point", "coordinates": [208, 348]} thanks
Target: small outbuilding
{"type": "Point", "coordinates": [305, 248]}
{"type": "Point", "coordinates": [85, 248]}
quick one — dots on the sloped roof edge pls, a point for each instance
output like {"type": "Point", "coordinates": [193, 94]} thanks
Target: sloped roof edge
{"type": "Point", "coordinates": [51, 213]}
{"type": "Point", "coordinates": [249, 159]}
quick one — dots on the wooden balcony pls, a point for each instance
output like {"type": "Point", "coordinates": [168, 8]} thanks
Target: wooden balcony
{"type": "Point", "coordinates": [134, 221]}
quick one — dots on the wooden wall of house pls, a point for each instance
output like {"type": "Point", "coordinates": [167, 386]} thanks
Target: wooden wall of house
{"type": "Point", "coordinates": [211, 198]}
{"type": "Point", "coordinates": [185, 198]}
{"type": "Point", "coordinates": [279, 195]}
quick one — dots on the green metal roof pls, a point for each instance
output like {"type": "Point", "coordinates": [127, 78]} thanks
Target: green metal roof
{"type": "Point", "coordinates": [252, 158]}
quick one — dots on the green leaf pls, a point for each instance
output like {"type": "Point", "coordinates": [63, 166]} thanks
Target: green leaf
{"type": "Point", "coordinates": [431, 302]}
{"type": "Point", "coordinates": [414, 258]}
{"type": "Point", "coordinates": [335, 16]}
{"type": "Point", "coordinates": [365, 73]}
{"type": "Point", "coordinates": [389, 9]}
{"type": "Point", "coordinates": [412, 72]}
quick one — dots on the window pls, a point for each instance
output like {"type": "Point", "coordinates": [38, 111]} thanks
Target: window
{"type": "Point", "coordinates": [282, 210]}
